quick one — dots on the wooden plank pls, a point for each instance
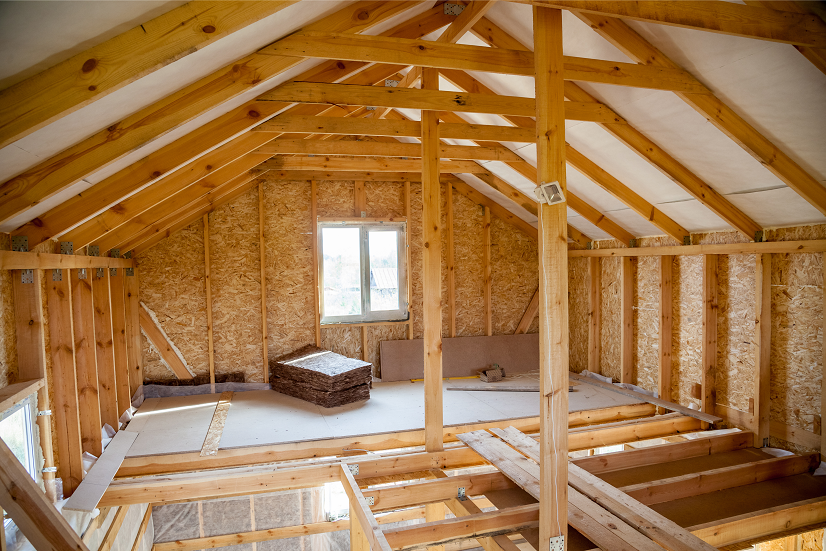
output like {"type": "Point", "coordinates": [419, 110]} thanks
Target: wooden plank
{"type": "Point", "coordinates": [66, 410]}
{"type": "Point", "coordinates": [165, 348]}
{"type": "Point", "coordinates": [216, 426]}
{"type": "Point", "coordinates": [88, 398]}
{"type": "Point", "coordinates": [375, 149]}
{"type": "Point", "coordinates": [16, 260]}
{"type": "Point", "coordinates": [439, 55]}
{"type": "Point", "coordinates": [104, 348]}
{"type": "Point", "coordinates": [823, 370]}
{"type": "Point", "coordinates": [436, 490]}
{"type": "Point", "coordinates": [208, 289]}
{"type": "Point", "coordinates": [117, 300]}
{"type": "Point", "coordinates": [628, 459]}
{"type": "Point", "coordinates": [355, 164]}
{"type": "Point", "coordinates": [451, 264]}
{"type": "Point", "coordinates": [553, 276]}
{"type": "Point", "coordinates": [486, 270]}
{"type": "Point", "coordinates": [709, 337]}
{"type": "Point", "coordinates": [624, 432]}
{"type": "Point", "coordinates": [113, 530]}
{"type": "Point", "coordinates": [314, 221]}
{"type": "Point", "coordinates": [358, 505]}
{"type": "Point", "coordinates": [775, 247]}
{"type": "Point", "coordinates": [594, 315]}
{"type": "Point", "coordinates": [408, 213]}
{"type": "Point", "coordinates": [263, 264]}
{"type": "Point", "coordinates": [87, 496]}
{"type": "Point", "coordinates": [94, 73]}
{"type": "Point", "coordinates": [762, 341]}
{"type": "Point", "coordinates": [31, 511]}
{"type": "Point", "coordinates": [708, 418]}
{"type": "Point", "coordinates": [530, 314]}
{"type": "Point", "coordinates": [13, 394]}
{"type": "Point", "coordinates": [392, 128]}
{"type": "Point", "coordinates": [733, 19]}
{"type": "Point", "coordinates": [431, 270]}
{"type": "Point", "coordinates": [142, 528]}
{"type": "Point", "coordinates": [795, 435]}
{"type": "Point", "coordinates": [133, 330]}
{"type": "Point", "coordinates": [713, 480]}
{"type": "Point", "coordinates": [627, 322]}
{"type": "Point", "coordinates": [665, 333]}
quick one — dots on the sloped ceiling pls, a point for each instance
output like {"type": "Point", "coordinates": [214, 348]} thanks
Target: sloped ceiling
{"type": "Point", "coordinates": [770, 85]}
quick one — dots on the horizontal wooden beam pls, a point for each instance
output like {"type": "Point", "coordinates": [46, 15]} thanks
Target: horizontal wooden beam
{"type": "Point", "coordinates": [773, 247]}
{"type": "Point", "coordinates": [348, 126]}
{"type": "Point", "coordinates": [376, 149]}
{"type": "Point", "coordinates": [16, 260]}
{"type": "Point", "coordinates": [407, 98]}
{"type": "Point", "coordinates": [719, 17]}
{"type": "Point", "coordinates": [345, 164]}
{"type": "Point", "coordinates": [425, 53]}
{"type": "Point", "coordinates": [15, 393]}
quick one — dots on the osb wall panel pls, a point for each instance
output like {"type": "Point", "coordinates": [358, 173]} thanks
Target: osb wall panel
{"type": "Point", "coordinates": [579, 307]}
{"type": "Point", "coordinates": [415, 271]}
{"type": "Point", "coordinates": [647, 322]}
{"type": "Point", "coordinates": [735, 330]}
{"type": "Point", "coordinates": [469, 271]}
{"type": "Point", "coordinates": [8, 343]}
{"type": "Point", "coordinates": [172, 285]}
{"type": "Point", "coordinates": [342, 340]}
{"type": "Point", "coordinates": [378, 333]}
{"type": "Point", "coordinates": [609, 356]}
{"type": "Point", "coordinates": [384, 199]}
{"type": "Point", "coordinates": [515, 275]}
{"type": "Point", "coordinates": [687, 327]}
{"type": "Point", "coordinates": [335, 198]}
{"type": "Point", "coordinates": [235, 262]}
{"type": "Point", "coordinates": [289, 265]}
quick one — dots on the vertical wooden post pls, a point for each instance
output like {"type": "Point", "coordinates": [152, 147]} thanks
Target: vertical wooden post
{"type": "Point", "coordinates": [408, 215]}
{"type": "Point", "coordinates": [133, 328]}
{"type": "Point", "coordinates": [66, 409]}
{"type": "Point", "coordinates": [104, 347]}
{"type": "Point", "coordinates": [431, 270]}
{"type": "Point", "coordinates": [627, 317]}
{"type": "Point", "coordinates": [85, 360]}
{"type": "Point", "coordinates": [360, 207]}
{"type": "Point", "coordinates": [823, 383]}
{"type": "Point", "coordinates": [451, 264]}
{"type": "Point", "coordinates": [314, 216]}
{"type": "Point", "coordinates": [709, 347]}
{"type": "Point", "coordinates": [358, 540]}
{"type": "Point", "coordinates": [208, 284]}
{"type": "Point", "coordinates": [553, 278]}
{"type": "Point", "coordinates": [763, 338]}
{"type": "Point", "coordinates": [666, 305]}
{"type": "Point", "coordinates": [364, 343]}
{"type": "Point", "coordinates": [594, 344]}
{"type": "Point", "coordinates": [117, 300]}
{"type": "Point", "coordinates": [488, 293]}
{"type": "Point", "coordinates": [263, 251]}
{"type": "Point", "coordinates": [31, 359]}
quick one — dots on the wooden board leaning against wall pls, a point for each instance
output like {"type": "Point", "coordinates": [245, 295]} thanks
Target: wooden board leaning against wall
{"type": "Point", "coordinates": [796, 318]}
{"type": "Point", "coordinates": [172, 276]}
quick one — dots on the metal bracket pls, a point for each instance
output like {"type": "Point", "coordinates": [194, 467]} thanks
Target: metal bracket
{"type": "Point", "coordinates": [20, 243]}
{"type": "Point", "coordinates": [369, 108]}
{"type": "Point", "coordinates": [114, 253]}
{"type": "Point", "coordinates": [460, 494]}
{"type": "Point", "coordinates": [390, 83]}
{"type": "Point", "coordinates": [453, 9]}
{"type": "Point", "coordinates": [632, 243]}
{"type": "Point", "coordinates": [57, 275]}
{"type": "Point", "coordinates": [129, 272]}
{"type": "Point", "coordinates": [557, 543]}
{"type": "Point", "coordinates": [67, 247]}
{"type": "Point", "coordinates": [26, 276]}
{"type": "Point", "coordinates": [44, 412]}
{"type": "Point", "coordinates": [94, 250]}
{"type": "Point", "coordinates": [354, 468]}
{"type": "Point", "coordinates": [113, 272]}
{"type": "Point", "coordinates": [758, 236]}
{"type": "Point", "coordinates": [81, 273]}
{"type": "Point", "coordinates": [589, 245]}
{"type": "Point", "coordinates": [371, 500]}
{"type": "Point", "coordinates": [686, 240]}
{"type": "Point", "coordinates": [100, 273]}
{"type": "Point", "coordinates": [49, 470]}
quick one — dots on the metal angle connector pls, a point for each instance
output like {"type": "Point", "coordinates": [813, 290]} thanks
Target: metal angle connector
{"type": "Point", "coordinates": [460, 493]}
{"type": "Point", "coordinates": [20, 243]}
{"type": "Point", "coordinates": [26, 276]}
{"type": "Point", "coordinates": [557, 543]}
{"type": "Point", "coordinates": [550, 193]}
{"type": "Point", "coordinates": [94, 250]}
{"type": "Point", "coordinates": [354, 468]}
{"type": "Point", "coordinates": [371, 500]}
{"type": "Point", "coordinates": [390, 83]}
{"type": "Point", "coordinates": [453, 9]}
{"type": "Point", "coordinates": [67, 247]}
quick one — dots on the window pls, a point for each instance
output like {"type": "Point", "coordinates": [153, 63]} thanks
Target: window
{"type": "Point", "coordinates": [363, 273]}
{"type": "Point", "coordinates": [17, 433]}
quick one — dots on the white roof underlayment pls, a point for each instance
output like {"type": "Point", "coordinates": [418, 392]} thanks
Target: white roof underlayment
{"type": "Point", "coordinates": [771, 85]}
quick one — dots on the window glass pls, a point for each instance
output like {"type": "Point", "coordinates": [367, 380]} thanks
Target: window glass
{"type": "Point", "coordinates": [342, 271]}
{"type": "Point", "coordinates": [384, 270]}
{"type": "Point", "coordinates": [15, 430]}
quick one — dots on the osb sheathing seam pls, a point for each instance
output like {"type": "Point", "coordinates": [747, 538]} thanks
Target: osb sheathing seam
{"type": "Point", "coordinates": [172, 285]}
{"type": "Point", "coordinates": [235, 262]}
{"type": "Point", "coordinates": [647, 322]}
{"type": "Point", "coordinates": [8, 341]}
{"type": "Point", "coordinates": [469, 269]}
{"type": "Point", "coordinates": [579, 288]}
{"type": "Point", "coordinates": [289, 265]}
{"type": "Point", "coordinates": [514, 277]}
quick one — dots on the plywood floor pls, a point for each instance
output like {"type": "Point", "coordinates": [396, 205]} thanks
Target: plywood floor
{"type": "Point", "coordinates": [180, 424]}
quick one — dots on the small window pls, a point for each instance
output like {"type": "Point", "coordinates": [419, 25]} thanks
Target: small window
{"type": "Point", "coordinates": [17, 432]}
{"type": "Point", "coordinates": [363, 273]}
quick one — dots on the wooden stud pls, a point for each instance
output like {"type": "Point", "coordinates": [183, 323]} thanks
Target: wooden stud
{"type": "Point", "coordinates": [762, 340]}
{"type": "Point", "coordinates": [208, 285]}
{"type": "Point", "coordinates": [627, 322]}
{"type": "Point", "coordinates": [529, 315]}
{"type": "Point", "coordinates": [709, 346]}
{"type": "Point", "coordinates": [316, 266]}
{"type": "Point", "coordinates": [665, 335]}
{"type": "Point", "coordinates": [31, 511]}
{"type": "Point", "coordinates": [361, 513]}
{"type": "Point", "coordinates": [117, 300]}
{"type": "Point", "coordinates": [553, 278]}
{"type": "Point", "coordinates": [262, 248]}
{"type": "Point", "coordinates": [408, 213]}
{"type": "Point", "coordinates": [360, 208]}
{"type": "Point", "coordinates": [823, 370]}
{"type": "Point", "coordinates": [85, 360]}
{"type": "Point", "coordinates": [142, 528]}
{"type": "Point", "coordinates": [114, 528]}
{"type": "Point", "coordinates": [155, 334]}
{"type": "Point", "coordinates": [133, 330]}
{"type": "Point", "coordinates": [595, 318]}
{"type": "Point", "coordinates": [486, 267]}
{"type": "Point", "coordinates": [451, 264]}
{"type": "Point", "coordinates": [364, 343]}
{"type": "Point", "coordinates": [104, 347]}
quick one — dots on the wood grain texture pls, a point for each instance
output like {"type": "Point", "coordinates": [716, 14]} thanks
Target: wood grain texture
{"type": "Point", "coordinates": [86, 360]}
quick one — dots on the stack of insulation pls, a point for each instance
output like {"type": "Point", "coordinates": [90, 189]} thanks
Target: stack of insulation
{"type": "Point", "coordinates": [321, 377]}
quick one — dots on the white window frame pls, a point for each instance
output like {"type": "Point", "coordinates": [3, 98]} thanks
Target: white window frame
{"type": "Point", "coordinates": [31, 465]}
{"type": "Point", "coordinates": [367, 316]}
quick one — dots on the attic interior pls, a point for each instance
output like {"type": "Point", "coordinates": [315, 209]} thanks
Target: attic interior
{"type": "Point", "coordinates": [309, 275]}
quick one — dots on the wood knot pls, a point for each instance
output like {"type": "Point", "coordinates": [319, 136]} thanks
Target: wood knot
{"type": "Point", "coordinates": [156, 174]}
{"type": "Point", "coordinates": [209, 167]}
{"type": "Point", "coordinates": [254, 114]}
{"type": "Point", "coordinates": [340, 65]}
{"type": "Point", "coordinates": [363, 15]}
{"type": "Point", "coordinates": [93, 88]}
{"type": "Point", "coordinates": [89, 65]}
{"type": "Point", "coordinates": [209, 29]}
